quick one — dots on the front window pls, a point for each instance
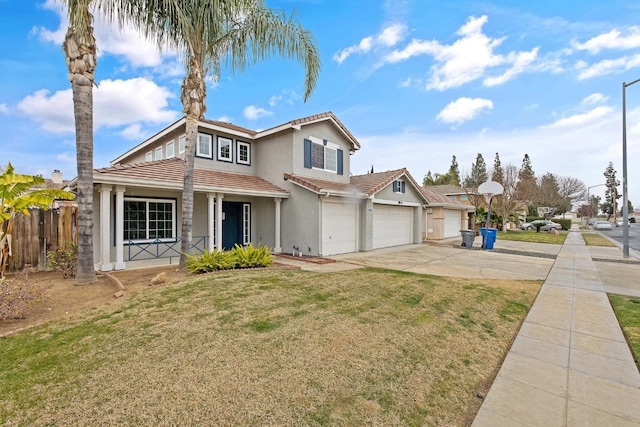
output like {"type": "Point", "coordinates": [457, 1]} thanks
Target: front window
{"type": "Point", "coordinates": [170, 150]}
{"type": "Point", "coordinates": [159, 153]}
{"type": "Point", "coordinates": [324, 157]}
{"type": "Point", "coordinates": [204, 146]}
{"type": "Point", "coordinates": [149, 219]}
{"type": "Point", "coordinates": [148, 157]}
{"type": "Point", "coordinates": [182, 144]}
{"type": "Point", "coordinates": [398, 186]}
{"type": "Point", "coordinates": [224, 149]}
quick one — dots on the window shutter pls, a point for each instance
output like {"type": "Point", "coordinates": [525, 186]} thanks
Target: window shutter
{"type": "Point", "coordinates": [395, 186]}
{"type": "Point", "coordinates": [307, 153]}
{"type": "Point", "coordinates": [340, 162]}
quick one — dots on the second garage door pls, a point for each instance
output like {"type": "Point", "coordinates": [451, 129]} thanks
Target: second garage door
{"type": "Point", "coordinates": [339, 228]}
{"type": "Point", "coordinates": [452, 223]}
{"type": "Point", "coordinates": [392, 226]}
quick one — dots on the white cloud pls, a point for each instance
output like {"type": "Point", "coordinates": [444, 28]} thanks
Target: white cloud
{"type": "Point", "coordinates": [133, 132]}
{"type": "Point", "coordinates": [116, 103]}
{"type": "Point", "coordinates": [66, 158]}
{"type": "Point", "coordinates": [464, 109]}
{"type": "Point", "coordinates": [253, 112]}
{"type": "Point", "coordinates": [614, 39]}
{"type": "Point", "coordinates": [594, 98]}
{"type": "Point", "coordinates": [608, 66]}
{"type": "Point", "coordinates": [226, 119]}
{"type": "Point", "coordinates": [287, 96]}
{"type": "Point", "coordinates": [581, 119]}
{"type": "Point", "coordinates": [388, 37]}
{"type": "Point", "coordinates": [4, 109]}
{"type": "Point", "coordinates": [127, 42]}
{"type": "Point", "coordinates": [467, 59]}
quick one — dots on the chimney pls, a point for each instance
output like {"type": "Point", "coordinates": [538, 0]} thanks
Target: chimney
{"type": "Point", "coordinates": [56, 177]}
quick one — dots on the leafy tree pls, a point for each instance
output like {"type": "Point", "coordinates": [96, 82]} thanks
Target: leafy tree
{"type": "Point", "coordinates": [571, 189]}
{"type": "Point", "coordinates": [473, 179]}
{"type": "Point", "coordinates": [17, 196]}
{"type": "Point", "coordinates": [506, 204]}
{"type": "Point", "coordinates": [497, 174]}
{"type": "Point", "coordinates": [611, 196]}
{"type": "Point", "coordinates": [590, 209]}
{"type": "Point", "coordinates": [549, 195]}
{"type": "Point", "coordinates": [428, 179]}
{"type": "Point", "coordinates": [209, 33]}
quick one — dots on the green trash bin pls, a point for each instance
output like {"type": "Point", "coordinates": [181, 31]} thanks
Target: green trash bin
{"type": "Point", "coordinates": [468, 236]}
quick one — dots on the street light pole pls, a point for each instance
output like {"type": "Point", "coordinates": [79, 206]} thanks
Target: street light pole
{"type": "Point", "coordinates": [589, 201]}
{"type": "Point", "coordinates": [625, 194]}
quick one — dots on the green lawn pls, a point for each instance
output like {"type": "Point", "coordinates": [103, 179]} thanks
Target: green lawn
{"type": "Point", "coordinates": [594, 239]}
{"type": "Point", "coordinates": [270, 347]}
{"type": "Point", "coordinates": [533, 237]}
{"type": "Point", "coordinates": [627, 311]}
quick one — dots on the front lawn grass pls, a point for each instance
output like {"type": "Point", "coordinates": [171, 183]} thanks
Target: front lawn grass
{"type": "Point", "coordinates": [595, 239]}
{"type": "Point", "coordinates": [533, 237]}
{"type": "Point", "coordinates": [627, 309]}
{"type": "Point", "coordinates": [271, 347]}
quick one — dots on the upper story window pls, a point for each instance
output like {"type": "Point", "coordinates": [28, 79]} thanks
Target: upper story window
{"type": "Point", "coordinates": [398, 186]}
{"type": "Point", "coordinates": [170, 150]}
{"type": "Point", "coordinates": [148, 157]}
{"type": "Point", "coordinates": [321, 154]}
{"type": "Point", "coordinates": [204, 149]}
{"type": "Point", "coordinates": [463, 197]}
{"type": "Point", "coordinates": [224, 149]}
{"type": "Point", "coordinates": [243, 155]}
{"type": "Point", "coordinates": [159, 153]}
{"type": "Point", "coordinates": [182, 144]}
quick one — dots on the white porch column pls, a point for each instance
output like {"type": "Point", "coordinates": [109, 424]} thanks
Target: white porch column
{"type": "Point", "coordinates": [277, 248]}
{"type": "Point", "coordinates": [105, 228]}
{"type": "Point", "coordinates": [219, 197]}
{"type": "Point", "coordinates": [120, 265]}
{"type": "Point", "coordinates": [211, 200]}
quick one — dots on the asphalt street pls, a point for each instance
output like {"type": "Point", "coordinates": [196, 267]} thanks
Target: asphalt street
{"type": "Point", "coordinates": [634, 235]}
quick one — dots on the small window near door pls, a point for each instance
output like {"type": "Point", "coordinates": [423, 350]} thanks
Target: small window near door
{"type": "Point", "coordinates": [246, 224]}
{"type": "Point", "coordinates": [398, 186]}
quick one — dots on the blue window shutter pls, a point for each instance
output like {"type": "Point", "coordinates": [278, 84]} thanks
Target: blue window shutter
{"type": "Point", "coordinates": [307, 153]}
{"type": "Point", "coordinates": [395, 186]}
{"type": "Point", "coordinates": [340, 162]}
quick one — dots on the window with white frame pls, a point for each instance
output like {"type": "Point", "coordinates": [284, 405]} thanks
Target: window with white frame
{"type": "Point", "coordinates": [203, 148]}
{"type": "Point", "coordinates": [170, 150]}
{"type": "Point", "coordinates": [243, 156]}
{"type": "Point", "coordinates": [324, 155]}
{"type": "Point", "coordinates": [224, 149]}
{"type": "Point", "coordinates": [159, 153]}
{"type": "Point", "coordinates": [148, 157]}
{"type": "Point", "coordinates": [182, 144]}
{"type": "Point", "coordinates": [398, 186]}
{"type": "Point", "coordinates": [149, 219]}
{"type": "Point", "coordinates": [246, 224]}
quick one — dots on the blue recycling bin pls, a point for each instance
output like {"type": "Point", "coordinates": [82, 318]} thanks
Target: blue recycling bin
{"type": "Point", "coordinates": [488, 237]}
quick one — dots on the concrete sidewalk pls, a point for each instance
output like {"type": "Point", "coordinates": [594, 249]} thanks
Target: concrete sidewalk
{"type": "Point", "coordinates": [570, 364]}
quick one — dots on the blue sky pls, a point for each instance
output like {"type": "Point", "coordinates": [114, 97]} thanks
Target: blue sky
{"type": "Point", "coordinates": [416, 81]}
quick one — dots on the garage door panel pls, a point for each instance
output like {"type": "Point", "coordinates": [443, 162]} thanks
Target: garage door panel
{"type": "Point", "coordinates": [392, 226]}
{"type": "Point", "coordinates": [339, 228]}
{"type": "Point", "coordinates": [451, 223]}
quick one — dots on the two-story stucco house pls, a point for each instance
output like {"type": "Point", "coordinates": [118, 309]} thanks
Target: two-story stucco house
{"type": "Point", "coordinates": [288, 187]}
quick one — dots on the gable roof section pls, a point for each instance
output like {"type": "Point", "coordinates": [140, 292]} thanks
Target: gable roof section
{"type": "Point", "coordinates": [321, 186]}
{"type": "Point", "coordinates": [169, 174]}
{"type": "Point", "coordinates": [245, 133]}
{"type": "Point", "coordinates": [372, 183]}
{"type": "Point", "coordinates": [447, 189]}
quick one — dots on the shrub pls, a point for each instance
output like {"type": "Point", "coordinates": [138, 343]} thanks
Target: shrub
{"type": "Point", "coordinates": [210, 261]}
{"type": "Point", "coordinates": [565, 223]}
{"type": "Point", "coordinates": [18, 295]}
{"type": "Point", "coordinates": [64, 260]}
{"type": "Point", "coordinates": [251, 257]}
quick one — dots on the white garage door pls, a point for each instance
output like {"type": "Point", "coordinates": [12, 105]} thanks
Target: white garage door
{"type": "Point", "coordinates": [451, 223]}
{"type": "Point", "coordinates": [339, 228]}
{"type": "Point", "coordinates": [392, 226]}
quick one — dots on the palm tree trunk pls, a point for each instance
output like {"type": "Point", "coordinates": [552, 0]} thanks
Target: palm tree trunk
{"type": "Point", "coordinates": [81, 61]}
{"type": "Point", "coordinates": [194, 92]}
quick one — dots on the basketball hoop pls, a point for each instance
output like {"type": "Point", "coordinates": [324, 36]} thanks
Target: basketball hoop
{"type": "Point", "coordinates": [488, 190]}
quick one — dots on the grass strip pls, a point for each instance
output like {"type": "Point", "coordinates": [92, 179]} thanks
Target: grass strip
{"type": "Point", "coordinates": [627, 309]}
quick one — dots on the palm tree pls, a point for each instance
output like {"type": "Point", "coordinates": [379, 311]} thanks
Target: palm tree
{"type": "Point", "coordinates": [17, 196]}
{"type": "Point", "coordinates": [209, 33]}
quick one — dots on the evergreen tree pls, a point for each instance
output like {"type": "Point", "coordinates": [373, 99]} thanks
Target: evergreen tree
{"type": "Point", "coordinates": [453, 176]}
{"type": "Point", "coordinates": [478, 173]}
{"type": "Point", "coordinates": [428, 179]}
{"type": "Point", "coordinates": [498, 173]}
{"type": "Point", "coordinates": [611, 195]}
{"type": "Point", "coordinates": [527, 186]}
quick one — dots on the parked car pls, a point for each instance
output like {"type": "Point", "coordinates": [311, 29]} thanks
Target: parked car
{"type": "Point", "coordinates": [602, 225]}
{"type": "Point", "coordinates": [545, 225]}
{"type": "Point", "coordinates": [620, 221]}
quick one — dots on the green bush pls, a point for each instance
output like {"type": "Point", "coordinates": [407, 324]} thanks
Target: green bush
{"type": "Point", "coordinates": [251, 257]}
{"type": "Point", "coordinates": [64, 260]}
{"type": "Point", "coordinates": [566, 223]}
{"type": "Point", "coordinates": [210, 261]}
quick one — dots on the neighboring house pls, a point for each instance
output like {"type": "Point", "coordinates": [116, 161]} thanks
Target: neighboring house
{"type": "Point", "coordinates": [452, 191]}
{"type": "Point", "coordinates": [287, 187]}
{"type": "Point", "coordinates": [444, 216]}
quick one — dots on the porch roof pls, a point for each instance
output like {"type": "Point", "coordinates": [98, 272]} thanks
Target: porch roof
{"type": "Point", "coordinates": [321, 186]}
{"type": "Point", "coordinates": [169, 174]}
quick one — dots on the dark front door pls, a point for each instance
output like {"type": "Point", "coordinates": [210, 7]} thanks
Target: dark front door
{"type": "Point", "coordinates": [231, 224]}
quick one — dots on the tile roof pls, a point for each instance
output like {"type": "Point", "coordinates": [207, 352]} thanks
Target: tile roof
{"type": "Point", "coordinates": [325, 115]}
{"type": "Point", "coordinates": [321, 185]}
{"type": "Point", "coordinates": [434, 198]}
{"type": "Point", "coordinates": [371, 183]}
{"type": "Point", "coordinates": [447, 189]}
{"type": "Point", "coordinates": [171, 171]}
{"type": "Point", "coordinates": [230, 126]}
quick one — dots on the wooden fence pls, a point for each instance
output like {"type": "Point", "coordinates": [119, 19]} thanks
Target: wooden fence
{"type": "Point", "coordinates": [40, 232]}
